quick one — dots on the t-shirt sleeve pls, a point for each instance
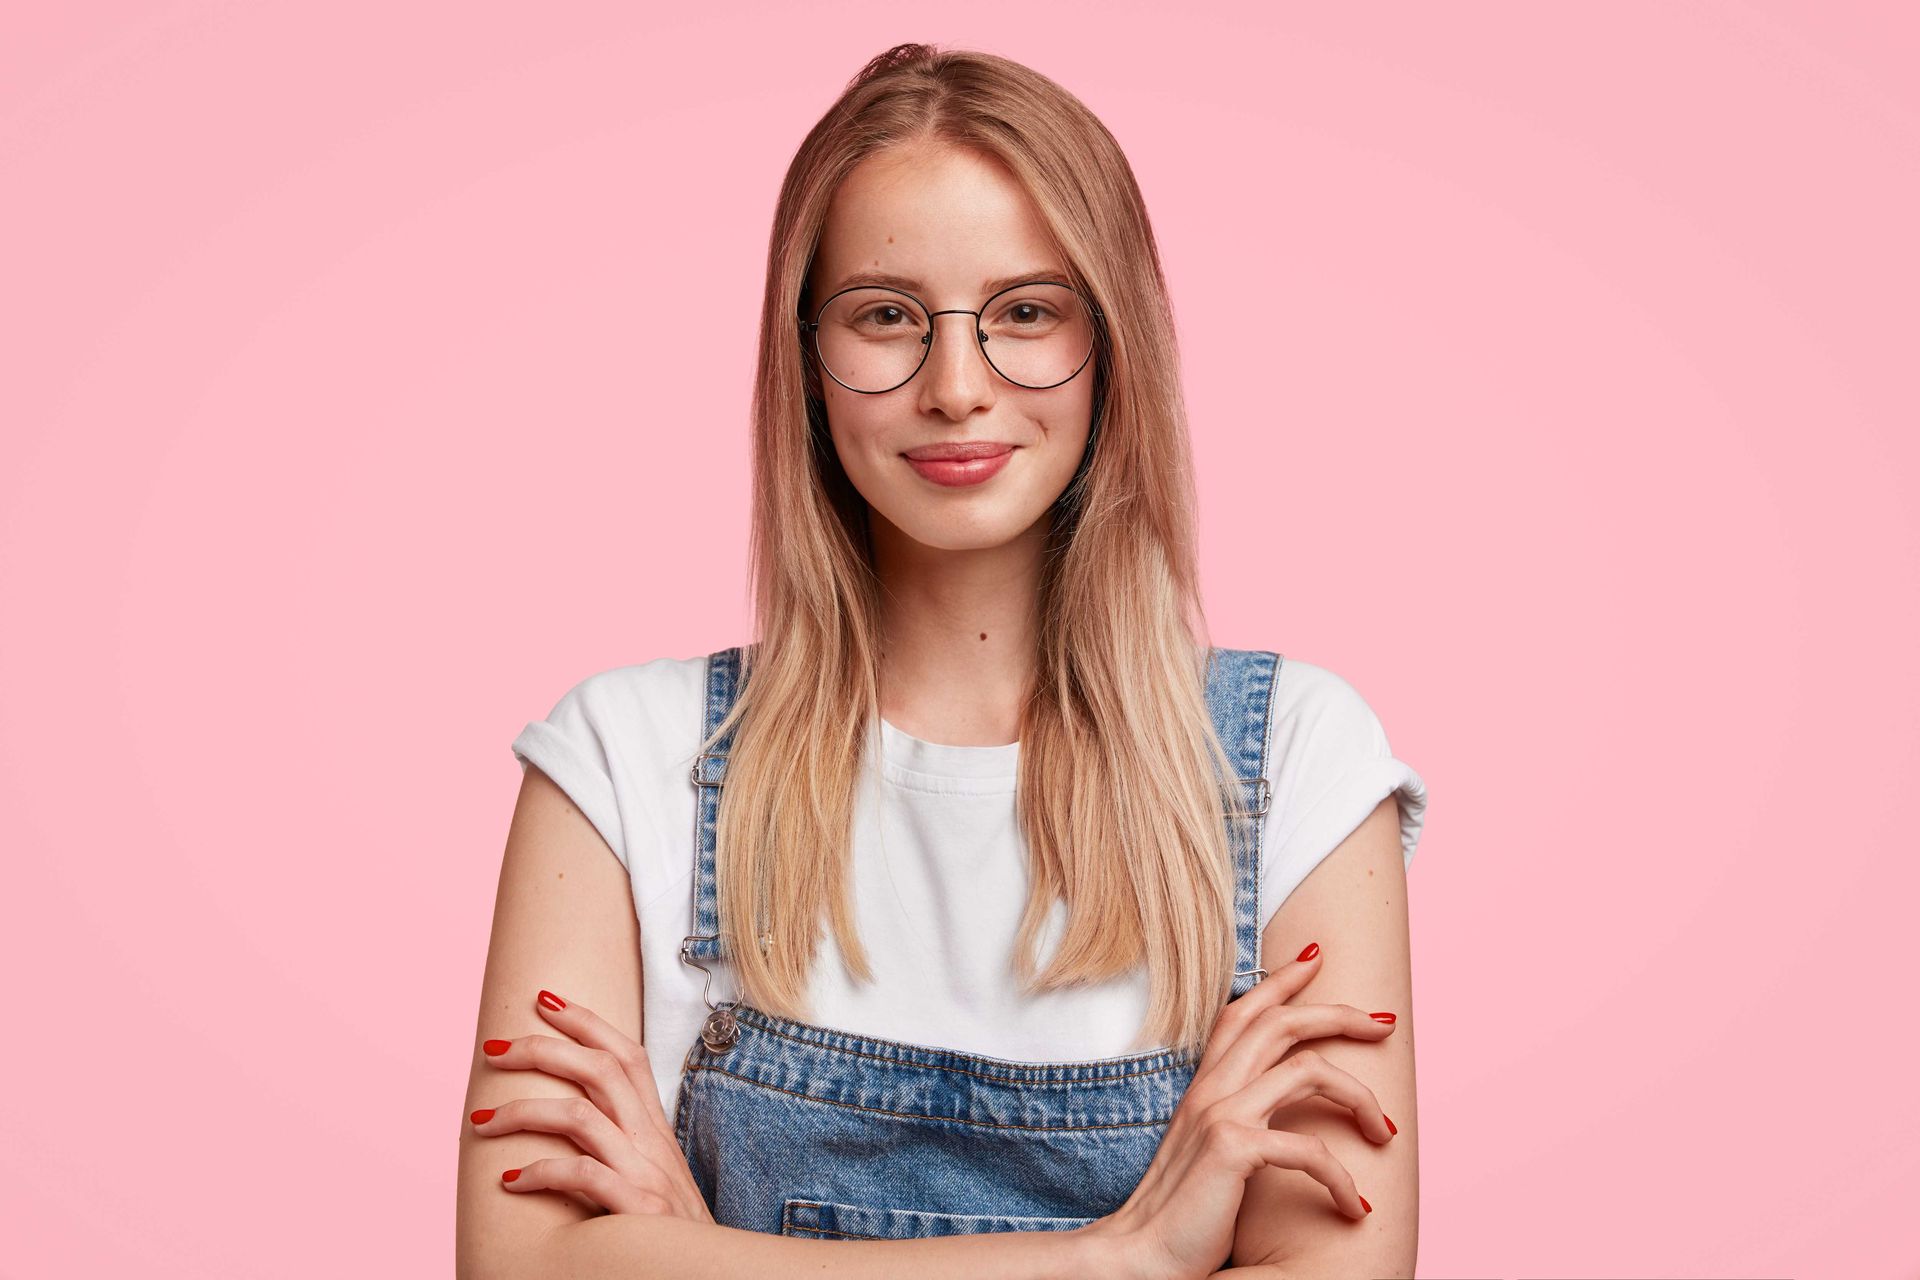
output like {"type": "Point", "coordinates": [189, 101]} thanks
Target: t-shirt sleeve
{"type": "Point", "coordinates": [571, 747]}
{"type": "Point", "coordinates": [1329, 764]}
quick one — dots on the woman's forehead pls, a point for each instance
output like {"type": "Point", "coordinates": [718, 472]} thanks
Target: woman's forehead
{"type": "Point", "coordinates": [942, 220]}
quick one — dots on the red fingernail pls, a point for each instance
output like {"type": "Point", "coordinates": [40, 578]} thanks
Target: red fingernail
{"type": "Point", "coordinates": [1313, 949]}
{"type": "Point", "coordinates": [509, 1175]}
{"type": "Point", "coordinates": [552, 1001]}
{"type": "Point", "coordinates": [1383, 1017]}
{"type": "Point", "coordinates": [1389, 1119]}
{"type": "Point", "coordinates": [486, 1113]}
{"type": "Point", "coordinates": [1365, 1205]}
{"type": "Point", "coordinates": [495, 1048]}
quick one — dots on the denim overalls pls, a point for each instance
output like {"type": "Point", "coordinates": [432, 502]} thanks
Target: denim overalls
{"type": "Point", "coordinates": [801, 1130]}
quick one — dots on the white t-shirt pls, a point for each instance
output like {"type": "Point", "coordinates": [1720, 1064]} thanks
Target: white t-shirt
{"type": "Point", "coordinates": [938, 865]}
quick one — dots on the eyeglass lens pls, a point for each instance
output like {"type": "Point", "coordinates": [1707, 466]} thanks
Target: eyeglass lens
{"type": "Point", "coordinates": [873, 339]}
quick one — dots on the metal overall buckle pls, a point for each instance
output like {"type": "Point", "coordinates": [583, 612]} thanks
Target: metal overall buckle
{"type": "Point", "coordinates": [721, 1031]}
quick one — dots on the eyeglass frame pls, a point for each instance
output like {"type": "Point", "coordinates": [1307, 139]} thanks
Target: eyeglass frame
{"type": "Point", "coordinates": [979, 335]}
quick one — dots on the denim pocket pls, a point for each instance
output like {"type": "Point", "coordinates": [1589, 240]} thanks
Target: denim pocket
{"type": "Point", "coordinates": [821, 1220]}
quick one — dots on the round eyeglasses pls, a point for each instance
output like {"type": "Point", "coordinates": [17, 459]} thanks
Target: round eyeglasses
{"type": "Point", "coordinates": [1035, 335]}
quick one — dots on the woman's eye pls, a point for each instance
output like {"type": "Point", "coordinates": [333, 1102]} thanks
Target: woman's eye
{"type": "Point", "coordinates": [1027, 313]}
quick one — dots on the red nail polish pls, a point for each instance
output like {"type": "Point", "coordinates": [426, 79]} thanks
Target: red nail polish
{"type": "Point", "coordinates": [509, 1175]}
{"type": "Point", "coordinates": [1313, 949]}
{"type": "Point", "coordinates": [495, 1048]}
{"type": "Point", "coordinates": [1365, 1205]}
{"type": "Point", "coordinates": [1391, 1128]}
{"type": "Point", "coordinates": [1383, 1017]}
{"type": "Point", "coordinates": [486, 1113]}
{"type": "Point", "coordinates": [552, 1001]}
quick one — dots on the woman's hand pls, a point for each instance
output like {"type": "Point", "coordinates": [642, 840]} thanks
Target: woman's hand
{"type": "Point", "coordinates": [632, 1162]}
{"type": "Point", "coordinates": [1179, 1221]}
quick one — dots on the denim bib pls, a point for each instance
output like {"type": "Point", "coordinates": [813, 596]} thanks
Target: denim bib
{"type": "Point", "coordinates": [799, 1130]}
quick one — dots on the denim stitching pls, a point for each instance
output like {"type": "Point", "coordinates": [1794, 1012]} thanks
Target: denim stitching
{"type": "Point", "coordinates": [747, 1015]}
{"type": "Point", "coordinates": [916, 1115]}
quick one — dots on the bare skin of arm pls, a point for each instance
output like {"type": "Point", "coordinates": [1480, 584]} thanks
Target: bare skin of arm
{"type": "Point", "coordinates": [627, 1245]}
{"type": "Point", "coordinates": [1354, 904]}
{"type": "Point", "coordinates": [564, 920]}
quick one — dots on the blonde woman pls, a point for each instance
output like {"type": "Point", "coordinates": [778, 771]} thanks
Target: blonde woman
{"type": "Point", "coordinates": [959, 924]}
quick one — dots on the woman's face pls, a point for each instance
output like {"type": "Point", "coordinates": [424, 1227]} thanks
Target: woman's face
{"type": "Point", "coordinates": [947, 224]}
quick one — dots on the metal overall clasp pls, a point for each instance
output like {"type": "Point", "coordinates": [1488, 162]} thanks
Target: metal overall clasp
{"type": "Point", "coordinates": [721, 1031]}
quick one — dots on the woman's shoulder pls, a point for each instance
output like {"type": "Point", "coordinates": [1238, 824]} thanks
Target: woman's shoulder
{"type": "Point", "coordinates": [620, 742]}
{"type": "Point", "coordinates": [1330, 761]}
{"type": "Point", "coordinates": [1310, 691]}
{"type": "Point", "coordinates": [638, 711]}
{"type": "Point", "coordinates": [654, 690]}
{"type": "Point", "coordinates": [1301, 691]}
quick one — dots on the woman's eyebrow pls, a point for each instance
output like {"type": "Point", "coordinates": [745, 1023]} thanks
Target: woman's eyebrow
{"type": "Point", "coordinates": [907, 284]}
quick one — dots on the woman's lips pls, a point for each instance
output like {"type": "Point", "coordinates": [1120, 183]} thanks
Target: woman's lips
{"type": "Point", "coordinates": [960, 471]}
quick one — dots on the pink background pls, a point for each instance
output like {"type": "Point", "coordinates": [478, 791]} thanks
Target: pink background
{"type": "Point", "coordinates": [372, 373]}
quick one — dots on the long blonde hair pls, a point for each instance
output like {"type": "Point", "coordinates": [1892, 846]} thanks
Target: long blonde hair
{"type": "Point", "coordinates": [1122, 780]}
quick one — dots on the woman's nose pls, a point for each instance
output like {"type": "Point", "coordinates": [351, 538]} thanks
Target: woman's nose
{"type": "Point", "coordinates": [957, 365]}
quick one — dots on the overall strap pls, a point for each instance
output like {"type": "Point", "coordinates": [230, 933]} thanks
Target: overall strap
{"type": "Point", "coordinates": [1239, 694]}
{"type": "Point", "coordinates": [709, 768]}
{"type": "Point", "coordinates": [1240, 699]}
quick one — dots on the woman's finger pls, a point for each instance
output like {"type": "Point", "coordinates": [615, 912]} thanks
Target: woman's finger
{"type": "Point", "coordinates": [594, 1031]}
{"type": "Point", "coordinates": [650, 1151]}
{"type": "Point", "coordinates": [588, 1177]}
{"type": "Point", "coordinates": [575, 1119]}
{"type": "Point", "coordinates": [1280, 1027]}
{"type": "Point", "coordinates": [1304, 1075]}
{"type": "Point", "coordinates": [647, 1164]}
{"type": "Point", "coordinates": [597, 1071]}
{"type": "Point", "coordinates": [1285, 1149]}
{"type": "Point", "coordinates": [1276, 988]}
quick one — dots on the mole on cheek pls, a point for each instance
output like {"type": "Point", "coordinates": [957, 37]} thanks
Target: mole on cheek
{"type": "Point", "coordinates": [983, 635]}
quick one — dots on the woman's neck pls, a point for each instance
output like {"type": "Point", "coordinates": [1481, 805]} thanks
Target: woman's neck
{"type": "Point", "coordinates": [957, 634]}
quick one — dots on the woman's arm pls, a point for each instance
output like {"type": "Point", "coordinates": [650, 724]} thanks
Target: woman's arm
{"type": "Point", "coordinates": [563, 919]}
{"type": "Point", "coordinates": [627, 1246]}
{"type": "Point", "coordinates": [1354, 904]}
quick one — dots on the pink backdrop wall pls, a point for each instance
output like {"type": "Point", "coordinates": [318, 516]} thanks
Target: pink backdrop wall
{"type": "Point", "coordinates": [1552, 375]}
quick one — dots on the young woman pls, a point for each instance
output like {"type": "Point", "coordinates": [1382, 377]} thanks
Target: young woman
{"type": "Point", "coordinates": [969, 905]}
